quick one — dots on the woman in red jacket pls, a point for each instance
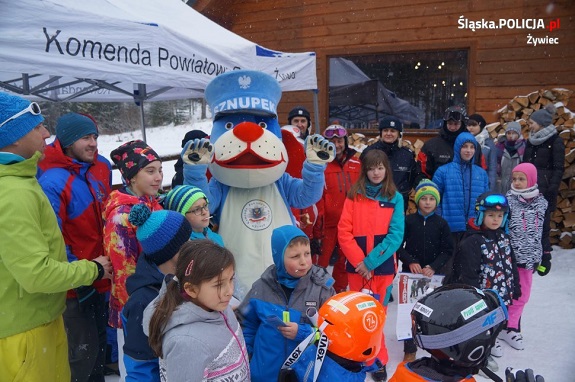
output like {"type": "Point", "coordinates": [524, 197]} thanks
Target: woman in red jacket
{"type": "Point", "coordinates": [370, 230]}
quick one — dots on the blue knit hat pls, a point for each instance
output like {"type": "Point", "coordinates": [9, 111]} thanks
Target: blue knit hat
{"type": "Point", "coordinates": [15, 129]}
{"type": "Point", "coordinates": [73, 126]}
{"type": "Point", "coordinates": [160, 233]}
{"type": "Point", "coordinates": [181, 198]}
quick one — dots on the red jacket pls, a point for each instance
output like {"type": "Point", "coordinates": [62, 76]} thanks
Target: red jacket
{"type": "Point", "coordinates": [339, 176]}
{"type": "Point", "coordinates": [405, 374]}
{"type": "Point", "coordinates": [77, 192]}
{"type": "Point", "coordinates": [371, 230]}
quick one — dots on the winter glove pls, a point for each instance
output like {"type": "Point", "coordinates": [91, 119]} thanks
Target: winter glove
{"type": "Point", "coordinates": [197, 151]}
{"type": "Point", "coordinates": [315, 246]}
{"type": "Point", "coordinates": [319, 150]}
{"type": "Point", "coordinates": [522, 376]}
{"type": "Point", "coordinates": [87, 297]}
{"type": "Point", "coordinates": [545, 265]}
{"type": "Point", "coordinates": [101, 270]}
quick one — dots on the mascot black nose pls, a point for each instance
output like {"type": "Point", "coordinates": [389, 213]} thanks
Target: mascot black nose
{"type": "Point", "coordinates": [248, 131]}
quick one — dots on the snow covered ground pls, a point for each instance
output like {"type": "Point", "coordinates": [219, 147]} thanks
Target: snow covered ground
{"type": "Point", "coordinates": [548, 320]}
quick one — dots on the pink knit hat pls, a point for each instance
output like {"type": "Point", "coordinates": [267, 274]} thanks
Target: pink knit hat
{"type": "Point", "coordinates": [530, 172]}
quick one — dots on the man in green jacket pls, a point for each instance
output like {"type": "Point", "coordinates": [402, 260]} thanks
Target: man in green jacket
{"type": "Point", "coordinates": [34, 271]}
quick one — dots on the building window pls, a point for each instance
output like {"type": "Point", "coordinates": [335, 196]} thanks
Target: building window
{"type": "Point", "coordinates": [416, 87]}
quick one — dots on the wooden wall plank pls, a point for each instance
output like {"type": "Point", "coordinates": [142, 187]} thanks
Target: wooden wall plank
{"type": "Point", "coordinates": [501, 62]}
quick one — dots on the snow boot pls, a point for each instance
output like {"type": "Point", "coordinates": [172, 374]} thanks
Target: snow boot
{"type": "Point", "coordinates": [513, 339]}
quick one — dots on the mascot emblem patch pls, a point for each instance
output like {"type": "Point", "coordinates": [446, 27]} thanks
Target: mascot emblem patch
{"type": "Point", "coordinates": [257, 215]}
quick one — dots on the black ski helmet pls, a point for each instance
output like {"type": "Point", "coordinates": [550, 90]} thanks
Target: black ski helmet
{"type": "Point", "coordinates": [490, 201]}
{"type": "Point", "coordinates": [458, 324]}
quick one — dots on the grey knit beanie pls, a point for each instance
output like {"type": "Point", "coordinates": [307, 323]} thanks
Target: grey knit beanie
{"type": "Point", "coordinates": [544, 116]}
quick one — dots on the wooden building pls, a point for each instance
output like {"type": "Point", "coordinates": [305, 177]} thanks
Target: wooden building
{"type": "Point", "coordinates": [506, 58]}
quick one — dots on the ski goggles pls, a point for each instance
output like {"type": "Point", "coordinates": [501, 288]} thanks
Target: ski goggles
{"type": "Point", "coordinates": [453, 114]}
{"type": "Point", "coordinates": [494, 202]}
{"type": "Point", "coordinates": [335, 131]}
{"type": "Point", "coordinates": [33, 109]}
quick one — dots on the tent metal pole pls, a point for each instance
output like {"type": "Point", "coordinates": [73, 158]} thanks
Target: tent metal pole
{"type": "Point", "coordinates": [316, 112]}
{"type": "Point", "coordinates": [142, 121]}
{"type": "Point", "coordinates": [139, 96]}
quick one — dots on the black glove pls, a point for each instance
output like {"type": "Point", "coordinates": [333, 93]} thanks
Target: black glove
{"type": "Point", "coordinates": [87, 297]}
{"type": "Point", "coordinates": [315, 246]}
{"type": "Point", "coordinates": [101, 271]}
{"type": "Point", "coordinates": [545, 265]}
{"type": "Point", "coordinates": [522, 376]}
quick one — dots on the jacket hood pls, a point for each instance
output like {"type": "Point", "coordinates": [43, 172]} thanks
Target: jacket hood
{"type": "Point", "coordinates": [280, 239]}
{"type": "Point", "coordinates": [146, 274]}
{"type": "Point", "coordinates": [459, 142]}
{"type": "Point", "coordinates": [55, 157]}
{"type": "Point", "coordinates": [317, 275]}
{"type": "Point", "coordinates": [450, 136]}
{"type": "Point", "coordinates": [184, 314]}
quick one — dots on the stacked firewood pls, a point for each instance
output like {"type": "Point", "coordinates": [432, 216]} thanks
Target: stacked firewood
{"type": "Point", "coordinates": [519, 109]}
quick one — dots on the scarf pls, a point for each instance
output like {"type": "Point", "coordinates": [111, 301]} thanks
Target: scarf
{"type": "Point", "coordinates": [526, 193]}
{"type": "Point", "coordinates": [542, 135]}
{"type": "Point", "coordinates": [372, 190]}
{"type": "Point", "coordinates": [511, 147]}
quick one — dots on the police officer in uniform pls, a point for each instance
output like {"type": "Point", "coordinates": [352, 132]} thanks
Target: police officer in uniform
{"type": "Point", "coordinates": [406, 170]}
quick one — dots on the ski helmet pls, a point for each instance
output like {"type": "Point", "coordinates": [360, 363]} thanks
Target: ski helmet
{"type": "Point", "coordinates": [354, 325]}
{"type": "Point", "coordinates": [458, 324]}
{"type": "Point", "coordinates": [338, 131]}
{"type": "Point", "coordinates": [456, 113]}
{"type": "Point", "coordinates": [490, 201]}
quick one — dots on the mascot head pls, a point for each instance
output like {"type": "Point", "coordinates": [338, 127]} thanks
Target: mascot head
{"type": "Point", "coordinates": [248, 150]}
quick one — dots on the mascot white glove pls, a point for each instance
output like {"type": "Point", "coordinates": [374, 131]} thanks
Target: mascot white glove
{"type": "Point", "coordinates": [319, 150]}
{"type": "Point", "coordinates": [197, 151]}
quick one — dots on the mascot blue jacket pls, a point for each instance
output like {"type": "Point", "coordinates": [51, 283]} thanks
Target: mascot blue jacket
{"type": "Point", "coordinates": [250, 194]}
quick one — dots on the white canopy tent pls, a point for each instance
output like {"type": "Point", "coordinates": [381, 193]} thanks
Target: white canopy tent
{"type": "Point", "coordinates": [128, 50]}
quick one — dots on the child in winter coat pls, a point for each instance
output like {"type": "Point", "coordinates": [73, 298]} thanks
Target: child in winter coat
{"type": "Point", "coordinates": [161, 234]}
{"type": "Point", "coordinates": [510, 151]}
{"type": "Point", "coordinates": [348, 339]}
{"type": "Point", "coordinates": [427, 242]}
{"type": "Point", "coordinates": [527, 213]}
{"type": "Point", "coordinates": [457, 325]}
{"type": "Point", "coordinates": [370, 230]}
{"type": "Point", "coordinates": [194, 205]}
{"type": "Point", "coordinates": [484, 258]}
{"type": "Point", "coordinates": [460, 183]}
{"type": "Point", "coordinates": [191, 325]}
{"type": "Point", "coordinates": [285, 291]}
{"type": "Point", "coordinates": [141, 170]}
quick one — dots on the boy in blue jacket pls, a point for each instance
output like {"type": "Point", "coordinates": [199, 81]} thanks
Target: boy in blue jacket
{"type": "Point", "coordinates": [161, 235]}
{"type": "Point", "coordinates": [285, 291]}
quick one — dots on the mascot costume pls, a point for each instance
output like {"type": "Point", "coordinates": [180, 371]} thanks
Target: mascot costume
{"type": "Point", "coordinates": [249, 192]}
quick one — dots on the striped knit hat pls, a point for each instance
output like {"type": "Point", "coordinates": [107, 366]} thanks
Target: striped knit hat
{"type": "Point", "coordinates": [160, 233]}
{"type": "Point", "coordinates": [426, 187]}
{"type": "Point", "coordinates": [181, 198]}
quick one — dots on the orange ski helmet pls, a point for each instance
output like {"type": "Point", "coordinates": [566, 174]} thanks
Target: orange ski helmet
{"type": "Point", "coordinates": [354, 325]}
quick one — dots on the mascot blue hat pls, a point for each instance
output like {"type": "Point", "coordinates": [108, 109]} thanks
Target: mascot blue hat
{"type": "Point", "coordinates": [242, 91]}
